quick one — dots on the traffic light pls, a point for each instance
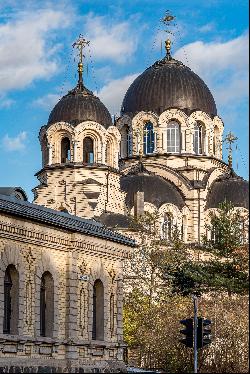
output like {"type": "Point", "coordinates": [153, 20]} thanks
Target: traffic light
{"type": "Point", "coordinates": [203, 332]}
{"type": "Point", "coordinates": [188, 331]}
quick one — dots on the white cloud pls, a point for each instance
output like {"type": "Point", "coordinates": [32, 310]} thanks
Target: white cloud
{"type": "Point", "coordinates": [115, 42]}
{"type": "Point", "coordinates": [5, 102]}
{"type": "Point", "coordinates": [208, 27]}
{"type": "Point", "coordinates": [223, 66]}
{"type": "Point", "coordinates": [46, 102]}
{"type": "Point", "coordinates": [113, 92]}
{"type": "Point", "coordinates": [14, 144]}
{"type": "Point", "coordinates": [25, 51]}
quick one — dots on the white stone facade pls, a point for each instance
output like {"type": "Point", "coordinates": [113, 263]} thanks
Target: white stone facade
{"type": "Point", "coordinates": [75, 261]}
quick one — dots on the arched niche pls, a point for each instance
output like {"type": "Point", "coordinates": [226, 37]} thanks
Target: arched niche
{"type": "Point", "coordinates": [98, 311]}
{"type": "Point", "coordinates": [88, 150]}
{"type": "Point", "coordinates": [217, 142]}
{"type": "Point", "coordinates": [47, 305]}
{"type": "Point", "coordinates": [11, 301]}
{"type": "Point", "coordinates": [65, 150]}
{"type": "Point", "coordinates": [45, 150]}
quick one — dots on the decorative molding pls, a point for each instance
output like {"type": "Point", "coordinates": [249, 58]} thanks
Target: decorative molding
{"type": "Point", "coordinates": [30, 236]}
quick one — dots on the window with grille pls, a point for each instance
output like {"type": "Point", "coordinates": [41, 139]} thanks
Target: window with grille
{"type": "Point", "coordinates": [88, 150]}
{"type": "Point", "coordinates": [148, 139]}
{"type": "Point", "coordinates": [198, 139]}
{"type": "Point", "coordinates": [129, 142]}
{"type": "Point", "coordinates": [173, 137]}
{"type": "Point", "coordinates": [167, 227]}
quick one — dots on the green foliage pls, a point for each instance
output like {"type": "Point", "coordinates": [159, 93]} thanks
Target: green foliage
{"type": "Point", "coordinates": [226, 231]}
{"type": "Point", "coordinates": [152, 333]}
{"type": "Point", "coordinates": [223, 263]}
{"type": "Point", "coordinates": [161, 276]}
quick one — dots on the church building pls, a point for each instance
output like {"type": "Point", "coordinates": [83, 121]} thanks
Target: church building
{"type": "Point", "coordinates": [61, 257]}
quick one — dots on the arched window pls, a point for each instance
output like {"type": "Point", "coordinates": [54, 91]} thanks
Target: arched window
{"type": "Point", "coordinates": [47, 305]}
{"type": "Point", "coordinates": [98, 311]}
{"type": "Point", "coordinates": [184, 228]}
{"type": "Point", "coordinates": [173, 137]}
{"type": "Point", "coordinates": [198, 139]}
{"type": "Point", "coordinates": [148, 138]}
{"type": "Point", "coordinates": [88, 150]}
{"type": "Point", "coordinates": [11, 304]}
{"type": "Point", "coordinates": [108, 154]}
{"type": "Point", "coordinates": [65, 150]}
{"type": "Point", "coordinates": [167, 226]}
{"type": "Point", "coordinates": [45, 151]}
{"type": "Point", "coordinates": [129, 141]}
{"type": "Point", "coordinates": [216, 142]}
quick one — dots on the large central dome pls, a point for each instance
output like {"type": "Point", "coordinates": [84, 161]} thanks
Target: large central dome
{"type": "Point", "coordinates": [168, 84]}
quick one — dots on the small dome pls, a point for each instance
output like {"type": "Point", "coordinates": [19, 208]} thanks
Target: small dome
{"type": "Point", "coordinates": [229, 187]}
{"type": "Point", "coordinates": [80, 105]}
{"type": "Point", "coordinates": [157, 190]}
{"type": "Point", "coordinates": [168, 84]}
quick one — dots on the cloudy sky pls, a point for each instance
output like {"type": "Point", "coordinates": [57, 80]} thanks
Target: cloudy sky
{"type": "Point", "coordinates": [38, 64]}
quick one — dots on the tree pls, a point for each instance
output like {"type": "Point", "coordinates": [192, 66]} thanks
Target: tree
{"type": "Point", "coordinates": [151, 313]}
{"type": "Point", "coordinates": [160, 277]}
{"type": "Point", "coordinates": [224, 259]}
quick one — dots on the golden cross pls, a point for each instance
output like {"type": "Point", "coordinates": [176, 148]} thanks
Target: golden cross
{"type": "Point", "coordinates": [230, 139]}
{"type": "Point", "coordinates": [167, 22]}
{"type": "Point", "coordinates": [80, 44]}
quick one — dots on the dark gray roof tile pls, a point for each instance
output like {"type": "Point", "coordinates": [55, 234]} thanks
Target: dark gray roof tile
{"type": "Point", "coordinates": [65, 221]}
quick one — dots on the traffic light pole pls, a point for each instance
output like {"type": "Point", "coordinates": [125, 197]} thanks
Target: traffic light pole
{"type": "Point", "coordinates": [195, 300]}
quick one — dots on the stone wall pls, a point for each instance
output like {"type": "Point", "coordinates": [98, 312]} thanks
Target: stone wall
{"type": "Point", "coordinates": [75, 261]}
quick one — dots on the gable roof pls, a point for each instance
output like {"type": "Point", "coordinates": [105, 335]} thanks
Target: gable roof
{"type": "Point", "coordinates": [64, 221]}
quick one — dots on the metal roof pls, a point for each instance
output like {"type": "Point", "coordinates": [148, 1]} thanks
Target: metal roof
{"type": "Point", "coordinates": [65, 221]}
{"type": "Point", "coordinates": [229, 187]}
{"type": "Point", "coordinates": [157, 190]}
{"type": "Point", "coordinates": [168, 84]}
{"type": "Point", "coordinates": [16, 192]}
{"type": "Point", "coordinates": [80, 105]}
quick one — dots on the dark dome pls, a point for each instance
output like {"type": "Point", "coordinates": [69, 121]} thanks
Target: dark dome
{"type": "Point", "coordinates": [80, 105]}
{"type": "Point", "coordinates": [230, 187]}
{"type": "Point", "coordinates": [156, 190]}
{"type": "Point", "coordinates": [114, 220]}
{"type": "Point", "coordinates": [168, 84]}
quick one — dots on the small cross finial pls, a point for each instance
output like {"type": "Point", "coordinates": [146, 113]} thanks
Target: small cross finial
{"type": "Point", "coordinates": [230, 139]}
{"type": "Point", "coordinates": [167, 22]}
{"type": "Point", "coordinates": [80, 44]}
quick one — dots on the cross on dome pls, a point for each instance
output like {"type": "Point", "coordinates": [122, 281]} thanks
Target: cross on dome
{"type": "Point", "coordinates": [80, 44]}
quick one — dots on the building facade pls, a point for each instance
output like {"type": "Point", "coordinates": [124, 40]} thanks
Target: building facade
{"type": "Point", "coordinates": [61, 291]}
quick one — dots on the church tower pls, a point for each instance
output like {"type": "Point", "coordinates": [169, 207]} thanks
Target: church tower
{"type": "Point", "coordinates": [80, 149]}
{"type": "Point", "coordinates": [171, 150]}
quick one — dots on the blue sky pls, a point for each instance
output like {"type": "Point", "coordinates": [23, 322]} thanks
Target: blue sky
{"type": "Point", "coordinates": [37, 64]}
